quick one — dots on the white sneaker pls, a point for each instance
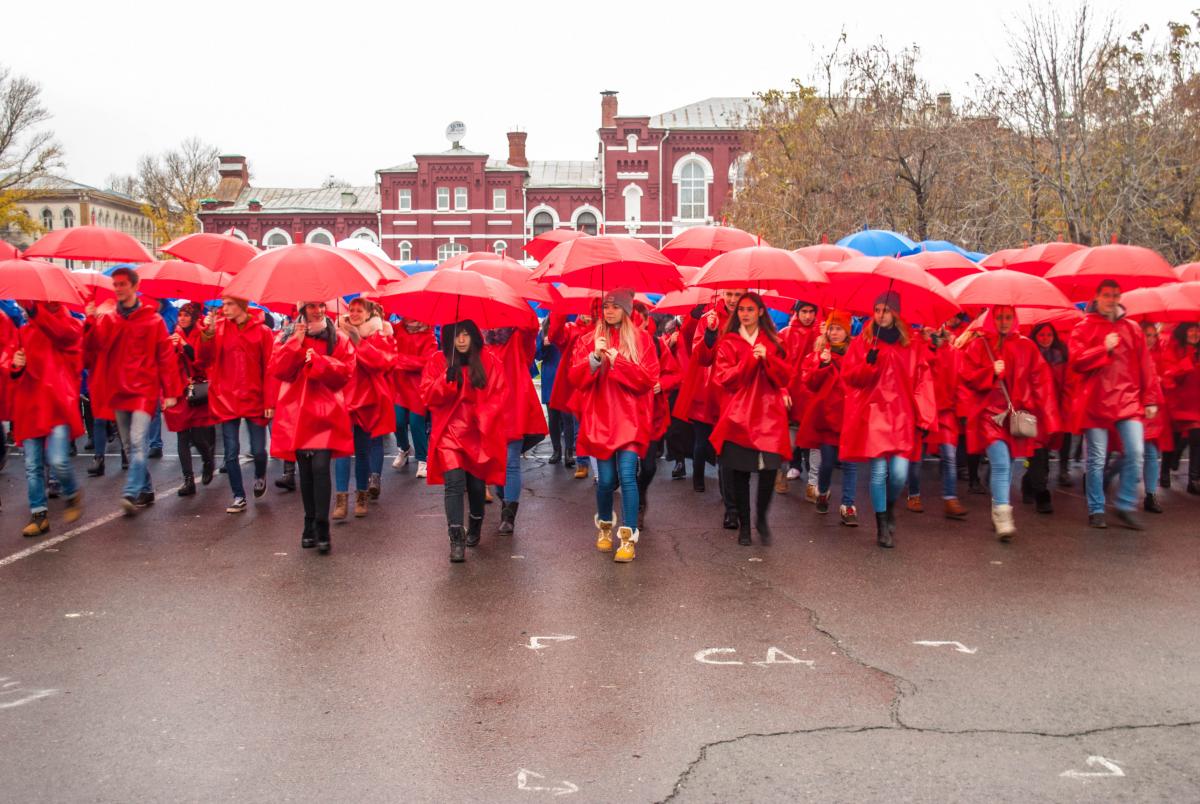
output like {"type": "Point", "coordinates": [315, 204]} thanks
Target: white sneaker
{"type": "Point", "coordinates": [421, 469]}
{"type": "Point", "coordinates": [401, 460]}
{"type": "Point", "coordinates": [793, 474]}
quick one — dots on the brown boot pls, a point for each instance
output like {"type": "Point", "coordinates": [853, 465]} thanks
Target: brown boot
{"type": "Point", "coordinates": [360, 503]}
{"type": "Point", "coordinates": [341, 501]}
{"type": "Point", "coordinates": [914, 504]}
{"type": "Point", "coordinates": [954, 509]}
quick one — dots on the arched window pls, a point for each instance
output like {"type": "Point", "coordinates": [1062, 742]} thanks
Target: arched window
{"type": "Point", "coordinates": [542, 223]}
{"type": "Point", "coordinates": [499, 247]}
{"type": "Point", "coordinates": [693, 192]}
{"type": "Point", "coordinates": [586, 223]}
{"type": "Point", "coordinates": [47, 219]}
{"type": "Point", "coordinates": [633, 203]}
{"type": "Point", "coordinates": [320, 237]}
{"type": "Point", "coordinates": [364, 233]}
{"type": "Point", "coordinates": [276, 238]}
{"type": "Point", "coordinates": [405, 251]}
{"type": "Point", "coordinates": [238, 233]}
{"type": "Point", "coordinates": [631, 143]}
{"type": "Point", "coordinates": [68, 218]}
{"type": "Point", "coordinates": [447, 250]}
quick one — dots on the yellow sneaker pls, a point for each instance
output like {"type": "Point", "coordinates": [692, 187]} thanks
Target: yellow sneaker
{"type": "Point", "coordinates": [604, 542]}
{"type": "Point", "coordinates": [628, 537]}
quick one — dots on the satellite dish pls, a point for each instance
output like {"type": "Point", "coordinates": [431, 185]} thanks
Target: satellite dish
{"type": "Point", "coordinates": [455, 132]}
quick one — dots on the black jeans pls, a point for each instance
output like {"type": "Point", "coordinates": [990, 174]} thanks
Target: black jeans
{"type": "Point", "coordinates": [1038, 474]}
{"type": "Point", "coordinates": [316, 484]}
{"type": "Point", "coordinates": [647, 469]}
{"type": "Point", "coordinates": [562, 431]}
{"type": "Point", "coordinates": [457, 482]}
{"type": "Point", "coordinates": [204, 439]}
{"type": "Point", "coordinates": [700, 446]}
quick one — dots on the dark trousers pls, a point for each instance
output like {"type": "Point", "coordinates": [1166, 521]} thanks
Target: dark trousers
{"type": "Point", "coordinates": [316, 485]}
{"type": "Point", "coordinates": [647, 469]}
{"type": "Point", "coordinates": [458, 482]}
{"type": "Point", "coordinates": [739, 483]}
{"type": "Point", "coordinates": [231, 436]}
{"type": "Point", "coordinates": [700, 446]}
{"type": "Point", "coordinates": [1038, 474]}
{"type": "Point", "coordinates": [204, 439]}
{"type": "Point", "coordinates": [562, 431]}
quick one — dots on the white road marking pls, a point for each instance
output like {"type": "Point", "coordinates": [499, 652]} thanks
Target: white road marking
{"type": "Point", "coordinates": [773, 657]}
{"type": "Point", "coordinates": [1111, 770]}
{"type": "Point", "coordinates": [702, 655]}
{"type": "Point", "coordinates": [523, 777]}
{"type": "Point", "coordinates": [535, 643]}
{"type": "Point", "coordinates": [958, 646]}
{"type": "Point", "coordinates": [27, 695]}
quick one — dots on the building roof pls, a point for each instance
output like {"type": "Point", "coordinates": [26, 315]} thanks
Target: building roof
{"type": "Point", "coordinates": [564, 173]}
{"type": "Point", "coordinates": [61, 184]}
{"type": "Point", "coordinates": [711, 113]}
{"type": "Point", "coordinates": [300, 199]}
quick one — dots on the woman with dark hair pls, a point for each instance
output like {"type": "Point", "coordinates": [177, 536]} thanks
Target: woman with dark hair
{"type": "Point", "coordinates": [751, 434]}
{"type": "Point", "coordinates": [463, 387]}
{"type": "Point", "coordinates": [192, 421]}
{"type": "Point", "coordinates": [890, 405]}
{"type": "Point", "coordinates": [1054, 352]}
{"type": "Point", "coordinates": [1182, 375]}
{"type": "Point", "coordinates": [614, 369]}
{"type": "Point", "coordinates": [312, 363]}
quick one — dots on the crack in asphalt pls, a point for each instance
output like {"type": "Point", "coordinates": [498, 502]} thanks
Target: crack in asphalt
{"type": "Point", "coordinates": [704, 749]}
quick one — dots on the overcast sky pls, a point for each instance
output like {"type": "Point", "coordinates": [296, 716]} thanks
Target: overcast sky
{"type": "Point", "coordinates": [305, 93]}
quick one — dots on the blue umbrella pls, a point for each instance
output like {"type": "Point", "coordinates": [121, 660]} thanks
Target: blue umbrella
{"type": "Point", "coordinates": [880, 243]}
{"type": "Point", "coordinates": [941, 245]}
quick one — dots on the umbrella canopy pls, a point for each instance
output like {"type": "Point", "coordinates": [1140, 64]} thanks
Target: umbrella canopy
{"type": "Point", "coordinates": [855, 284]}
{"type": "Point", "coordinates": [378, 265]}
{"type": "Point", "coordinates": [1063, 320]}
{"type": "Point", "coordinates": [543, 244]}
{"type": "Point", "coordinates": [511, 273]}
{"type": "Point", "coordinates": [678, 302]}
{"type": "Point", "coordinates": [942, 245]}
{"type": "Point", "coordinates": [216, 252]}
{"type": "Point", "coordinates": [1039, 259]}
{"type": "Point", "coordinates": [447, 297]}
{"type": "Point", "coordinates": [459, 260]}
{"type": "Point", "coordinates": [1166, 304]}
{"type": "Point", "coordinates": [97, 286]}
{"type": "Point", "coordinates": [1009, 289]}
{"type": "Point", "coordinates": [34, 280]}
{"type": "Point", "coordinates": [89, 243]}
{"type": "Point", "coordinates": [1131, 267]}
{"type": "Point", "coordinates": [584, 301]}
{"type": "Point", "coordinates": [1189, 272]}
{"type": "Point", "coordinates": [828, 252]}
{"type": "Point", "coordinates": [302, 272]}
{"type": "Point", "coordinates": [699, 244]}
{"type": "Point", "coordinates": [8, 251]}
{"type": "Point", "coordinates": [998, 259]}
{"type": "Point", "coordinates": [363, 246]}
{"type": "Point", "coordinates": [176, 279]}
{"type": "Point", "coordinates": [946, 266]}
{"type": "Point", "coordinates": [763, 268]}
{"type": "Point", "coordinates": [607, 262]}
{"type": "Point", "coordinates": [880, 243]}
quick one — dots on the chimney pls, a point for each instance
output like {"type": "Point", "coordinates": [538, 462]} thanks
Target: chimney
{"type": "Point", "coordinates": [943, 104]}
{"type": "Point", "coordinates": [608, 109]}
{"type": "Point", "coordinates": [255, 205]}
{"type": "Point", "coordinates": [233, 166]}
{"type": "Point", "coordinates": [349, 199]}
{"type": "Point", "coordinates": [516, 149]}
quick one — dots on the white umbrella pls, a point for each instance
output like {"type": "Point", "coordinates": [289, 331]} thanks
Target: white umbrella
{"type": "Point", "coordinates": [365, 246]}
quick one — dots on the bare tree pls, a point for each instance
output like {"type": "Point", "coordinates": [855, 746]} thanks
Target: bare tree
{"type": "Point", "coordinates": [27, 151]}
{"type": "Point", "coordinates": [172, 185]}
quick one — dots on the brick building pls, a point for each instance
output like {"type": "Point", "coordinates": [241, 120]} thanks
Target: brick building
{"type": "Point", "coordinates": [651, 177]}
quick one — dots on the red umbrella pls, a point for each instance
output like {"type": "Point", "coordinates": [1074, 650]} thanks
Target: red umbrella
{"type": "Point", "coordinates": [1006, 288]}
{"type": "Point", "coordinates": [607, 262]}
{"type": "Point", "coordinates": [466, 258]}
{"type": "Point", "coordinates": [855, 284]}
{"type": "Point", "coordinates": [511, 273]}
{"type": "Point", "coordinates": [95, 285]}
{"type": "Point", "coordinates": [89, 243]}
{"type": "Point", "coordinates": [544, 243]}
{"type": "Point", "coordinates": [1189, 272]}
{"type": "Point", "coordinates": [763, 268]}
{"type": "Point", "coordinates": [1062, 320]}
{"type": "Point", "coordinates": [447, 297]}
{"type": "Point", "coordinates": [302, 272]}
{"type": "Point", "coordinates": [217, 252]}
{"type": "Point", "coordinates": [699, 244]}
{"type": "Point", "coordinates": [946, 266]}
{"type": "Point", "coordinates": [1039, 259]}
{"type": "Point", "coordinates": [999, 259]}
{"type": "Point", "coordinates": [828, 252]}
{"type": "Point", "coordinates": [678, 302]}
{"type": "Point", "coordinates": [584, 301]}
{"type": "Point", "coordinates": [34, 280]}
{"type": "Point", "coordinates": [1166, 304]}
{"type": "Point", "coordinates": [386, 271]}
{"type": "Point", "coordinates": [1131, 267]}
{"type": "Point", "coordinates": [8, 251]}
{"type": "Point", "coordinates": [176, 279]}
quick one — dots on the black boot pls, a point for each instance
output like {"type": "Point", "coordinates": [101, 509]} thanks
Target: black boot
{"type": "Point", "coordinates": [744, 532]}
{"type": "Point", "coordinates": [508, 518]}
{"type": "Point", "coordinates": [323, 543]}
{"type": "Point", "coordinates": [474, 530]}
{"type": "Point", "coordinates": [883, 533]}
{"type": "Point", "coordinates": [458, 544]}
{"type": "Point", "coordinates": [741, 510]}
{"type": "Point", "coordinates": [766, 488]}
{"type": "Point", "coordinates": [1045, 503]}
{"type": "Point", "coordinates": [698, 479]}
{"type": "Point", "coordinates": [308, 539]}
{"type": "Point", "coordinates": [556, 456]}
{"type": "Point", "coordinates": [124, 459]}
{"type": "Point", "coordinates": [206, 473]}
{"type": "Point", "coordinates": [97, 467]}
{"type": "Point", "coordinates": [891, 523]}
{"type": "Point", "coordinates": [287, 481]}
{"type": "Point", "coordinates": [569, 459]}
{"type": "Point", "coordinates": [1151, 506]}
{"type": "Point", "coordinates": [188, 488]}
{"type": "Point", "coordinates": [680, 470]}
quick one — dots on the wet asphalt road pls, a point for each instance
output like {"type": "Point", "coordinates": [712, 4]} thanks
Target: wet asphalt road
{"type": "Point", "coordinates": [190, 655]}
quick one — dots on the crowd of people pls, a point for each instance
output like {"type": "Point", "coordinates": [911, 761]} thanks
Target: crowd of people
{"type": "Point", "coordinates": [624, 388]}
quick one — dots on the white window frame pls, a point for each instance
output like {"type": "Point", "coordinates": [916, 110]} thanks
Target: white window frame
{"type": "Point", "coordinates": [238, 233]}
{"type": "Point", "coordinates": [404, 199]}
{"type": "Point", "coordinates": [533, 214]}
{"type": "Point", "coordinates": [631, 141]}
{"type": "Point", "coordinates": [48, 219]}
{"type": "Point", "coordinates": [443, 199]}
{"type": "Point", "coordinates": [68, 213]}
{"type": "Point", "coordinates": [586, 209]}
{"type": "Point", "coordinates": [633, 203]}
{"type": "Point", "coordinates": [363, 233]}
{"type": "Point", "coordinates": [450, 249]}
{"type": "Point", "coordinates": [460, 199]}
{"type": "Point", "coordinates": [266, 238]}
{"type": "Point", "coordinates": [311, 236]}
{"type": "Point", "coordinates": [405, 246]}
{"type": "Point", "coordinates": [499, 194]}
{"type": "Point", "coordinates": [706, 175]}
{"type": "Point", "coordinates": [499, 248]}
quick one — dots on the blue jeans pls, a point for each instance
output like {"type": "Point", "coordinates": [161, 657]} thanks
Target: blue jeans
{"type": "Point", "coordinates": [407, 420]}
{"type": "Point", "coordinates": [1001, 463]}
{"type": "Point", "coordinates": [134, 429]}
{"type": "Point", "coordinates": [621, 466]}
{"type": "Point", "coordinates": [154, 437]}
{"type": "Point", "coordinates": [368, 460]}
{"type": "Point", "coordinates": [1095, 440]}
{"type": "Point", "coordinates": [56, 448]}
{"type": "Point", "coordinates": [829, 460]}
{"type": "Point", "coordinates": [948, 465]}
{"type": "Point", "coordinates": [231, 436]}
{"type": "Point", "coordinates": [511, 490]}
{"type": "Point", "coordinates": [1153, 460]}
{"type": "Point", "coordinates": [888, 476]}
